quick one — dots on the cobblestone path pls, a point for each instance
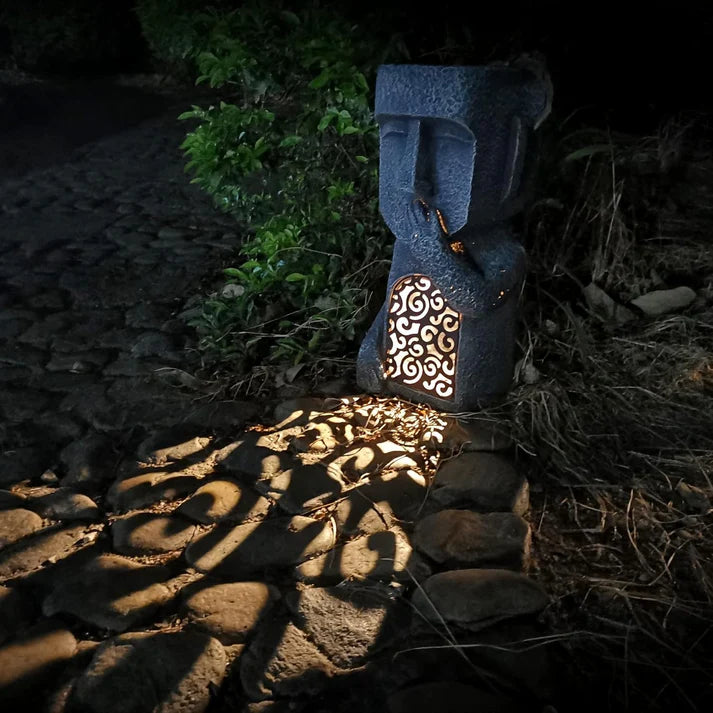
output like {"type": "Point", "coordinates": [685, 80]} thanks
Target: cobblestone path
{"type": "Point", "coordinates": [160, 552]}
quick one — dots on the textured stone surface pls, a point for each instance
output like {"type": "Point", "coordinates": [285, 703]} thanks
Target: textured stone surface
{"type": "Point", "coordinates": [381, 503]}
{"type": "Point", "coordinates": [146, 533]}
{"type": "Point", "coordinates": [660, 302]}
{"type": "Point", "coordinates": [224, 499]}
{"type": "Point", "coordinates": [149, 488]}
{"type": "Point", "coordinates": [109, 591]}
{"type": "Point", "coordinates": [16, 524]}
{"type": "Point", "coordinates": [472, 435]}
{"type": "Point", "coordinates": [383, 556]}
{"type": "Point", "coordinates": [171, 445]}
{"type": "Point", "coordinates": [281, 661]}
{"type": "Point", "coordinates": [348, 623]}
{"type": "Point", "coordinates": [475, 598]}
{"type": "Point", "coordinates": [301, 488]}
{"type": "Point", "coordinates": [66, 504]}
{"type": "Point", "coordinates": [256, 546]}
{"type": "Point", "coordinates": [159, 672]}
{"type": "Point", "coordinates": [248, 457]}
{"type": "Point", "coordinates": [461, 538]}
{"type": "Point", "coordinates": [485, 481]}
{"type": "Point", "coordinates": [9, 500]}
{"type": "Point", "coordinates": [229, 612]}
{"type": "Point", "coordinates": [48, 545]}
{"type": "Point", "coordinates": [450, 697]}
{"type": "Point", "coordinates": [27, 664]}
{"type": "Point", "coordinates": [298, 412]}
{"type": "Point", "coordinates": [373, 458]}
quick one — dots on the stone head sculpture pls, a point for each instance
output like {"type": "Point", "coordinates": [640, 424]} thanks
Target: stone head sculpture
{"type": "Point", "coordinates": [455, 165]}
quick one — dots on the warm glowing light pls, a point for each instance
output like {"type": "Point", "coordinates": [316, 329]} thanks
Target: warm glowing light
{"type": "Point", "coordinates": [423, 333]}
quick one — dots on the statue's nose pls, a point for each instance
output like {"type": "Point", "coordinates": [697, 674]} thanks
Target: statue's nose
{"type": "Point", "coordinates": [415, 170]}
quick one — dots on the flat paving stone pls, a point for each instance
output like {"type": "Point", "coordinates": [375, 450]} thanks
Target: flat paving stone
{"type": "Point", "coordinates": [349, 623]}
{"type": "Point", "coordinates": [224, 499]}
{"type": "Point", "coordinates": [67, 505]}
{"type": "Point", "coordinates": [230, 612]}
{"type": "Point", "coordinates": [256, 546]}
{"type": "Point", "coordinates": [383, 556]}
{"type": "Point", "coordinates": [302, 488]}
{"type": "Point", "coordinates": [461, 538]}
{"type": "Point", "coordinates": [476, 598]}
{"type": "Point", "coordinates": [109, 591]}
{"type": "Point", "coordinates": [486, 481]}
{"type": "Point", "coordinates": [48, 545]}
{"type": "Point", "coordinates": [172, 672]}
{"type": "Point", "coordinates": [150, 488]}
{"type": "Point", "coordinates": [170, 445]}
{"type": "Point", "coordinates": [28, 664]}
{"type": "Point", "coordinates": [282, 661]}
{"type": "Point", "coordinates": [16, 524]}
{"type": "Point", "coordinates": [146, 533]}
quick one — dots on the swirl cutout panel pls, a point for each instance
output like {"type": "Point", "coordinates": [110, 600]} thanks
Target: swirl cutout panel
{"type": "Point", "coordinates": [423, 334]}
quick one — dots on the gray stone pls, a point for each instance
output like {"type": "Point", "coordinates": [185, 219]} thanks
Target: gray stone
{"type": "Point", "coordinates": [171, 672]}
{"type": "Point", "coordinates": [385, 556]}
{"type": "Point", "coordinates": [11, 328]}
{"type": "Point", "coordinates": [27, 665]}
{"type": "Point", "coordinates": [145, 315]}
{"type": "Point", "coordinates": [257, 546]}
{"type": "Point", "coordinates": [224, 499]}
{"type": "Point", "coordinates": [661, 302]}
{"type": "Point", "coordinates": [40, 334]}
{"type": "Point", "coordinates": [89, 461]}
{"type": "Point", "coordinates": [302, 488]}
{"type": "Point", "coordinates": [220, 415]}
{"type": "Point", "coordinates": [16, 524]}
{"type": "Point", "coordinates": [65, 504]}
{"type": "Point", "coordinates": [171, 445]}
{"type": "Point", "coordinates": [51, 300]}
{"type": "Point", "coordinates": [450, 697]}
{"type": "Point", "coordinates": [230, 612]}
{"type": "Point", "coordinates": [461, 538]}
{"type": "Point", "coordinates": [48, 545]}
{"type": "Point", "coordinates": [604, 307]}
{"type": "Point", "coordinates": [59, 427]}
{"type": "Point", "coordinates": [249, 457]}
{"type": "Point", "coordinates": [109, 591]}
{"type": "Point", "coordinates": [171, 234]}
{"type": "Point", "coordinates": [486, 481]}
{"type": "Point", "coordinates": [476, 598]}
{"type": "Point", "coordinates": [149, 488]}
{"type": "Point", "coordinates": [348, 623]}
{"type": "Point", "coordinates": [15, 612]}
{"type": "Point", "coordinates": [145, 533]}
{"type": "Point", "coordinates": [381, 503]}
{"type": "Point", "coordinates": [281, 661]}
{"type": "Point", "coordinates": [64, 382]}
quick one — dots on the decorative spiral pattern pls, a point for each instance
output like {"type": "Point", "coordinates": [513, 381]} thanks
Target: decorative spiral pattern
{"type": "Point", "coordinates": [423, 334]}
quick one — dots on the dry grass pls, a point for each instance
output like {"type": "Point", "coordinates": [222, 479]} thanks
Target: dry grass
{"type": "Point", "coordinates": [617, 436]}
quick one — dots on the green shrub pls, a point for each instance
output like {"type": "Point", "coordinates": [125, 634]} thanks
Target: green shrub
{"type": "Point", "coordinates": [294, 152]}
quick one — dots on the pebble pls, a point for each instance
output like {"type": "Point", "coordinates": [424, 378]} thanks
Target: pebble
{"type": "Point", "coordinates": [145, 533]}
{"type": "Point", "coordinates": [229, 612]}
{"type": "Point", "coordinates": [89, 461]}
{"type": "Point", "coordinates": [150, 488]}
{"type": "Point", "coordinates": [171, 445]}
{"type": "Point", "coordinates": [302, 488]}
{"type": "Point", "coordinates": [65, 504]}
{"type": "Point", "coordinates": [171, 672]}
{"type": "Point", "coordinates": [16, 524]}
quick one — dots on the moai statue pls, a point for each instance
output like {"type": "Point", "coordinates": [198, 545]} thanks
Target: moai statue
{"type": "Point", "coordinates": [455, 163]}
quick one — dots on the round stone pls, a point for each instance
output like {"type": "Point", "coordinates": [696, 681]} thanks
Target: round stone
{"type": "Point", "coordinates": [224, 499]}
{"type": "Point", "coordinates": [146, 533]}
{"type": "Point", "coordinates": [16, 524]}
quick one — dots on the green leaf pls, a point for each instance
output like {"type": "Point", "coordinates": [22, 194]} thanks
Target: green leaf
{"type": "Point", "coordinates": [295, 277]}
{"type": "Point", "coordinates": [588, 151]}
{"type": "Point", "coordinates": [350, 130]}
{"type": "Point", "coordinates": [320, 80]}
{"type": "Point", "coordinates": [290, 141]}
{"type": "Point", "coordinates": [234, 272]}
{"type": "Point", "coordinates": [290, 17]}
{"type": "Point", "coordinates": [361, 159]}
{"type": "Point", "coordinates": [324, 122]}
